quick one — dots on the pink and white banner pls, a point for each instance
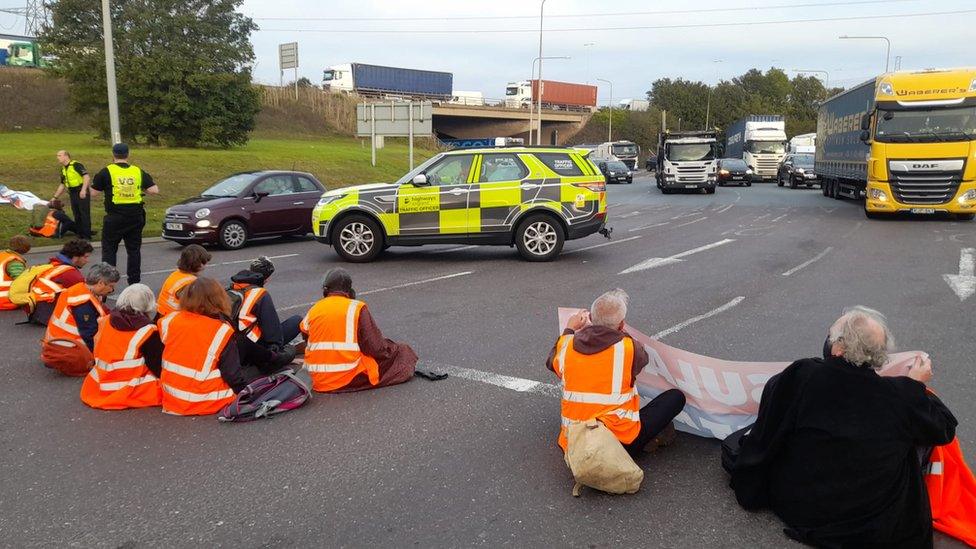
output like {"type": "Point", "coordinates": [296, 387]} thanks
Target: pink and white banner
{"type": "Point", "coordinates": [723, 395]}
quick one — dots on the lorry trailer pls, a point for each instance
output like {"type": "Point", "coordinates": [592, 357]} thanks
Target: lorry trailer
{"type": "Point", "coordinates": [555, 95]}
{"type": "Point", "coordinates": [380, 81]}
{"type": "Point", "coordinates": [760, 140]}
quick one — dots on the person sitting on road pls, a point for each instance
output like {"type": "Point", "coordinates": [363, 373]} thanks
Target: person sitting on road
{"type": "Point", "coordinates": [193, 259]}
{"type": "Point", "coordinates": [261, 336]}
{"type": "Point", "coordinates": [345, 350]}
{"type": "Point", "coordinates": [128, 355]}
{"type": "Point", "coordinates": [837, 451]}
{"type": "Point", "coordinates": [70, 335]}
{"type": "Point", "coordinates": [592, 356]}
{"type": "Point", "coordinates": [201, 362]}
{"type": "Point", "coordinates": [63, 273]}
{"type": "Point", "coordinates": [12, 264]}
{"type": "Point", "coordinates": [66, 224]}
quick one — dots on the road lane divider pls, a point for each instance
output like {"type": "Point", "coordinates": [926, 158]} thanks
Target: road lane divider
{"type": "Point", "coordinates": [218, 264]}
{"type": "Point", "coordinates": [725, 209]}
{"type": "Point", "coordinates": [651, 226]}
{"type": "Point", "coordinates": [626, 215]}
{"type": "Point", "coordinates": [695, 319]}
{"type": "Point", "coordinates": [676, 258]}
{"type": "Point", "coordinates": [809, 262]}
{"type": "Point", "coordinates": [518, 384]}
{"type": "Point", "coordinates": [387, 289]}
{"type": "Point", "coordinates": [611, 243]}
{"type": "Point", "coordinates": [691, 222]}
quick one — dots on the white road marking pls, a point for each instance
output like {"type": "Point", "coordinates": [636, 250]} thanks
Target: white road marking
{"type": "Point", "coordinates": [611, 243]}
{"type": "Point", "coordinates": [699, 318]}
{"type": "Point", "coordinates": [854, 230]}
{"type": "Point", "coordinates": [217, 264]}
{"type": "Point", "coordinates": [378, 290]}
{"type": "Point", "coordinates": [964, 283]}
{"type": "Point", "coordinates": [762, 217]}
{"type": "Point", "coordinates": [499, 380]}
{"type": "Point", "coordinates": [626, 215]}
{"type": "Point", "coordinates": [809, 262]}
{"type": "Point", "coordinates": [690, 222]}
{"type": "Point", "coordinates": [725, 209]}
{"type": "Point", "coordinates": [457, 249]}
{"type": "Point", "coordinates": [635, 229]}
{"type": "Point", "coordinates": [778, 218]}
{"type": "Point", "coordinates": [690, 214]}
{"type": "Point", "coordinates": [676, 258]}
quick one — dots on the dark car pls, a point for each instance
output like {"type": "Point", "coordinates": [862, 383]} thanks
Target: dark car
{"type": "Point", "coordinates": [615, 171]}
{"type": "Point", "coordinates": [734, 171]}
{"type": "Point", "coordinates": [796, 169]}
{"type": "Point", "coordinates": [246, 206]}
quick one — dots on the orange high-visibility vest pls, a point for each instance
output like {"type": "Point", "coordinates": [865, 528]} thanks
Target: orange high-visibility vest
{"type": "Point", "coordinates": [952, 493]}
{"type": "Point", "coordinates": [332, 354]}
{"type": "Point", "coordinates": [120, 378]}
{"type": "Point", "coordinates": [191, 382]}
{"type": "Point", "coordinates": [6, 258]}
{"type": "Point", "coordinates": [62, 324]}
{"type": "Point", "coordinates": [246, 318]}
{"type": "Point", "coordinates": [50, 227]}
{"type": "Point", "coordinates": [169, 299]}
{"type": "Point", "coordinates": [598, 386]}
{"type": "Point", "coordinates": [44, 288]}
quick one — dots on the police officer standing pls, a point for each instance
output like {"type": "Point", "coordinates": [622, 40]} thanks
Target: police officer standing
{"type": "Point", "coordinates": [124, 186]}
{"type": "Point", "coordinates": [76, 181]}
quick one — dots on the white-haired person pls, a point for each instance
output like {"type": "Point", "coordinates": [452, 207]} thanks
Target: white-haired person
{"type": "Point", "coordinates": [598, 364]}
{"type": "Point", "coordinates": [128, 355]}
{"type": "Point", "coordinates": [837, 450]}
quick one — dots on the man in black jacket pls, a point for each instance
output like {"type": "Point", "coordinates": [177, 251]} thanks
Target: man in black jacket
{"type": "Point", "coordinates": [837, 450]}
{"type": "Point", "coordinates": [262, 337]}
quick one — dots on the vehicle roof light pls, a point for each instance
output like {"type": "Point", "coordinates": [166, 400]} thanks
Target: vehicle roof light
{"type": "Point", "coordinates": [887, 88]}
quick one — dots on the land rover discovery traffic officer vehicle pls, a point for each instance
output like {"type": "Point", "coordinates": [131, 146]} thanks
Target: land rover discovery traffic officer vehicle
{"type": "Point", "coordinates": [533, 198]}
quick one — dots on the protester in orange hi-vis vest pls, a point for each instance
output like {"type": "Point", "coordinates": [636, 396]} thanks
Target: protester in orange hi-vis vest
{"type": "Point", "coordinates": [952, 492]}
{"type": "Point", "coordinates": [193, 260]}
{"type": "Point", "coordinates": [128, 355]}
{"type": "Point", "coordinates": [63, 273]}
{"type": "Point", "coordinates": [345, 351]}
{"type": "Point", "coordinates": [597, 363]}
{"type": "Point", "coordinates": [258, 319]}
{"type": "Point", "coordinates": [12, 263]}
{"type": "Point", "coordinates": [201, 365]}
{"type": "Point", "coordinates": [70, 335]}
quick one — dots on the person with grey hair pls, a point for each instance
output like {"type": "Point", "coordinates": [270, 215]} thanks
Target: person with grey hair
{"type": "Point", "coordinates": [591, 359]}
{"type": "Point", "coordinates": [128, 355]}
{"type": "Point", "coordinates": [345, 350]}
{"type": "Point", "coordinates": [837, 450]}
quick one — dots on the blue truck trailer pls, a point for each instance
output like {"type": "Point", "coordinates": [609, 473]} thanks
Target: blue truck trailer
{"type": "Point", "coordinates": [378, 80]}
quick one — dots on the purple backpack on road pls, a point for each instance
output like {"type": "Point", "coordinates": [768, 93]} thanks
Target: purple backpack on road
{"type": "Point", "coordinates": [269, 396]}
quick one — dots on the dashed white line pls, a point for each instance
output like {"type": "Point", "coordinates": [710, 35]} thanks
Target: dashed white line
{"type": "Point", "coordinates": [725, 209]}
{"type": "Point", "coordinates": [762, 217]}
{"type": "Point", "coordinates": [378, 290]}
{"type": "Point", "coordinates": [626, 215]}
{"type": "Point", "coordinates": [635, 229]}
{"type": "Point", "coordinates": [778, 218]}
{"type": "Point", "coordinates": [690, 222]}
{"type": "Point", "coordinates": [611, 243]}
{"type": "Point", "coordinates": [218, 264]}
{"type": "Point", "coordinates": [676, 258]}
{"type": "Point", "coordinates": [499, 380]}
{"type": "Point", "coordinates": [699, 318]}
{"type": "Point", "coordinates": [689, 214]}
{"type": "Point", "coordinates": [809, 262]}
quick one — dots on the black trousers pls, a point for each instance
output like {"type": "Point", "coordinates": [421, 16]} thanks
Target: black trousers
{"type": "Point", "coordinates": [127, 228]}
{"type": "Point", "coordinates": [81, 211]}
{"type": "Point", "coordinates": [654, 417]}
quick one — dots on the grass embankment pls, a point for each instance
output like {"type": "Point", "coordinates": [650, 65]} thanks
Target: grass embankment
{"type": "Point", "coordinates": [28, 163]}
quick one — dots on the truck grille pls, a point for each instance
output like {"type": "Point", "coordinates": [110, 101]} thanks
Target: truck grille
{"type": "Point", "coordinates": [925, 188]}
{"type": "Point", "coordinates": [767, 166]}
{"type": "Point", "coordinates": [691, 174]}
{"type": "Point", "coordinates": [630, 163]}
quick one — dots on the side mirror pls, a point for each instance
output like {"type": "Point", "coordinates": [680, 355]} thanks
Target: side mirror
{"type": "Point", "coordinates": [258, 195]}
{"type": "Point", "coordinates": [865, 136]}
{"type": "Point", "coordinates": [866, 121]}
{"type": "Point", "coordinates": [420, 180]}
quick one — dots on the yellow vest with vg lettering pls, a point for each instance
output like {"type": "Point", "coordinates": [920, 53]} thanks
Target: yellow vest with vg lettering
{"type": "Point", "coordinates": [126, 184]}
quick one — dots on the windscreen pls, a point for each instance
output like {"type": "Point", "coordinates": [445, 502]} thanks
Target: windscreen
{"type": "Point", "coordinates": [956, 124]}
{"type": "Point", "coordinates": [328, 76]}
{"type": "Point", "coordinates": [803, 160]}
{"type": "Point", "coordinates": [232, 186]}
{"type": "Point", "coordinates": [766, 147]}
{"type": "Point", "coordinates": [690, 152]}
{"type": "Point", "coordinates": [511, 90]}
{"type": "Point", "coordinates": [734, 164]}
{"type": "Point", "coordinates": [625, 150]}
{"type": "Point", "coordinates": [617, 166]}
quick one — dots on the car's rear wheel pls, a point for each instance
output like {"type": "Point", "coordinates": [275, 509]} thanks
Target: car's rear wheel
{"type": "Point", "coordinates": [232, 235]}
{"type": "Point", "coordinates": [792, 182]}
{"type": "Point", "coordinates": [539, 238]}
{"type": "Point", "coordinates": [357, 239]}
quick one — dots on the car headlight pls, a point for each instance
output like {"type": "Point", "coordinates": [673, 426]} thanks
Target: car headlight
{"type": "Point", "coordinates": [203, 223]}
{"type": "Point", "coordinates": [724, 172]}
{"type": "Point", "coordinates": [613, 173]}
{"type": "Point", "coordinates": [749, 171]}
{"type": "Point", "coordinates": [669, 178]}
{"type": "Point", "coordinates": [630, 173]}
{"type": "Point", "coordinates": [329, 199]}
{"type": "Point", "coordinates": [201, 213]}
{"type": "Point", "coordinates": [801, 171]}
{"type": "Point", "coordinates": [969, 196]}
{"type": "Point", "coordinates": [879, 195]}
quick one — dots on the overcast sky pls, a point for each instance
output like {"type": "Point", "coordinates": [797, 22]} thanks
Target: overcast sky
{"type": "Point", "coordinates": [485, 61]}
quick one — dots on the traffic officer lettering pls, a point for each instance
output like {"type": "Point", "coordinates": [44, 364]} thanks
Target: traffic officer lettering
{"type": "Point", "coordinates": [419, 203]}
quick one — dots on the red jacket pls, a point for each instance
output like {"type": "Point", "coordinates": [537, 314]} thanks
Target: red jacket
{"type": "Point", "coordinates": [69, 278]}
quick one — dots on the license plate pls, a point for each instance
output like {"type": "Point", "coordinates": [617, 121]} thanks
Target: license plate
{"type": "Point", "coordinates": [691, 186]}
{"type": "Point", "coordinates": [923, 210]}
{"type": "Point", "coordinates": [737, 178]}
{"type": "Point", "coordinates": [174, 226]}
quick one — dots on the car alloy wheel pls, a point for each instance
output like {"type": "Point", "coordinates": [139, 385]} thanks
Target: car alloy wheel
{"type": "Point", "coordinates": [357, 239]}
{"type": "Point", "coordinates": [233, 235]}
{"type": "Point", "coordinates": [540, 238]}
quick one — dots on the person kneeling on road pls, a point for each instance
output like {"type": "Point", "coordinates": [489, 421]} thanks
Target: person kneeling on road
{"type": "Point", "coordinates": [12, 264]}
{"type": "Point", "coordinates": [258, 319]}
{"type": "Point", "coordinates": [70, 335]}
{"type": "Point", "coordinates": [128, 355]}
{"type": "Point", "coordinates": [193, 259]}
{"type": "Point", "coordinates": [63, 272]}
{"type": "Point", "coordinates": [345, 349]}
{"type": "Point", "coordinates": [201, 361]}
{"type": "Point", "coordinates": [837, 451]}
{"type": "Point", "coordinates": [598, 364]}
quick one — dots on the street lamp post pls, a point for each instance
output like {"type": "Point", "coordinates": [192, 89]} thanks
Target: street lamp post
{"type": "Point", "coordinates": [708, 102]}
{"type": "Point", "coordinates": [885, 38]}
{"type": "Point", "coordinates": [531, 105]}
{"type": "Point", "coordinates": [538, 133]}
{"type": "Point", "coordinates": [113, 94]}
{"type": "Point", "coordinates": [610, 130]}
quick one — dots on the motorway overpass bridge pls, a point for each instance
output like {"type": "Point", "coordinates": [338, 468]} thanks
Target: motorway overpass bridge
{"type": "Point", "coordinates": [470, 122]}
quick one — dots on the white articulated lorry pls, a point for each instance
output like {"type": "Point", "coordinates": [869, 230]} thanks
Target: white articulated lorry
{"type": "Point", "coordinates": [760, 140]}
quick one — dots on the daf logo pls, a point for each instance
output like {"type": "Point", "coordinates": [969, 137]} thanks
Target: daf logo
{"type": "Point", "coordinates": [924, 166]}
